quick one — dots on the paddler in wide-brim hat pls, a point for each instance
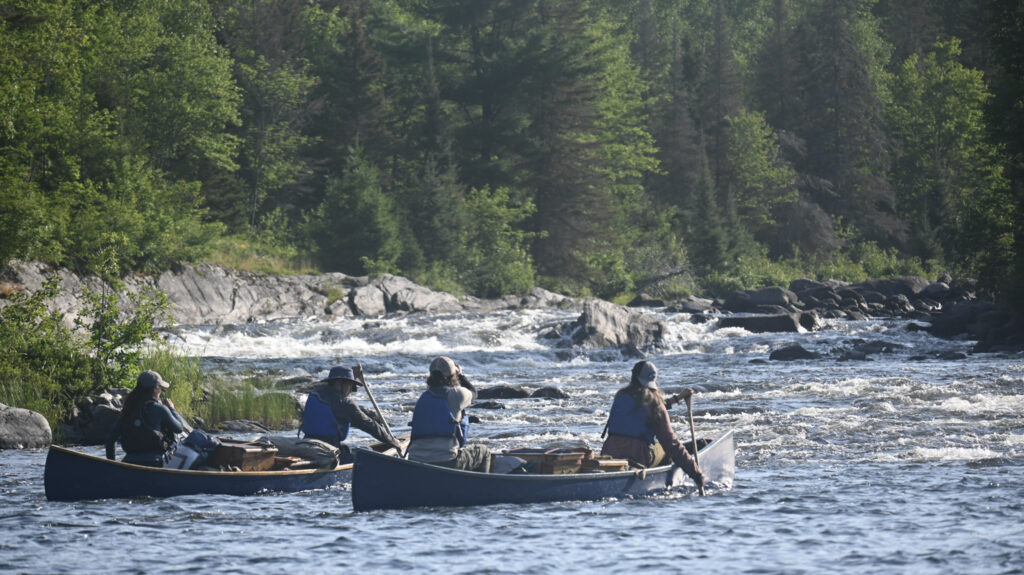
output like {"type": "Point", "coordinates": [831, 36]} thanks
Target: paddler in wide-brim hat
{"type": "Point", "coordinates": [331, 411]}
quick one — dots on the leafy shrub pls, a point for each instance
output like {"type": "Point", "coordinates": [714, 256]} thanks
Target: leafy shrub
{"type": "Point", "coordinates": [47, 367]}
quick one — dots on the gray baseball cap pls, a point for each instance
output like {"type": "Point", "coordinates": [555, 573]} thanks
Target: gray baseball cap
{"type": "Point", "coordinates": [648, 375]}
{"type": "Point", "coordinates": [150, 379]}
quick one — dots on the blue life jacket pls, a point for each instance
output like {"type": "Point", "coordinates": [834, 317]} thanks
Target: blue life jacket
{"type": "Point", "coordinates": [629, 417]}
{"type": "Point", "coordinates": [318, 419]}
{"type": "Point", "coordinates": [433, 418]}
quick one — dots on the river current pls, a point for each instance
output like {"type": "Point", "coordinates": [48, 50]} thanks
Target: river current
{"type": "Point", "coordinates": [899, 464]}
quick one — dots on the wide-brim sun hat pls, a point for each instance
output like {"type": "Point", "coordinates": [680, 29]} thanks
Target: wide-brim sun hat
{"type": "Point", "coordinates": [341, 373]}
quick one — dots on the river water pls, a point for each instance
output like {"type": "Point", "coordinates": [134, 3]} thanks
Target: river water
{"type": "Point", "coordinates": [900, 464]}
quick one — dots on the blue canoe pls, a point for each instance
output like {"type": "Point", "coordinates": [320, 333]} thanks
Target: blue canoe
{"type": "Point", "coordinates": [73, 476]}
{"type": "Point", "coordinates": [387, 482]}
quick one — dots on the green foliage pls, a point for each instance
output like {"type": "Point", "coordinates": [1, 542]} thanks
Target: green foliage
{"type": "Point", "coordinates": [864, 260]}
{"type": "Point", "coordinates": [764, 179]}
{"type": "Point", "coordinates": [493, 259]}
{"type": "Point", "coordinates": [48, 367]}
{"type": "Point", "coordinates": [114, 106]}
{"type": "Point", "coordinates": [949, 177]}
{"type": "Point", "coordinates": [355, 228]}
{"type": "Point", "coordinates": [249, 252]}
{"type": "Point", "coordinates": [119, 323]}
{"type": "Point", "coordinates": [140, 132]}
{"type": "Point", "coordinates": [44, 366]}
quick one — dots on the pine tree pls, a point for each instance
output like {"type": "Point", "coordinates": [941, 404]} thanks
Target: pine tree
{"type": "Point", "coordinates": [841, 80]}
{"type": "Point", "coordinates": [355, 228]}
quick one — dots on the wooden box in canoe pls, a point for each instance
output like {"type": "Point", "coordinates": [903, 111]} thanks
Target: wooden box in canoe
{"type": "Point", "coordinates": [552, 461]}
{"type": "Point", "coordinates": [387, 482]}
{"type": "Point", "coordinates": [71, 476]}
{"type": "Point", "coordinates": [243, 455]}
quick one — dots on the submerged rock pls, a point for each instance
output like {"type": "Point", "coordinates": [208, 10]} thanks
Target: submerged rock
{"type": "Point", "coordinates": [550, 393]}
{"type": "Point", "coordinates": [793, 352]}
{"type": "Point", "coordinates": [502, 392]}
{"type": "Point", "coordinates": [788, 322]}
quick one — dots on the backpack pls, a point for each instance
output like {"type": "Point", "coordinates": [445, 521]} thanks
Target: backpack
{"type": "Point", "coordinates": [202, 441]}
{"type": "Point", "coordinates": [138, 437]}
{"type": "Point", "coordinates": [321, 454]}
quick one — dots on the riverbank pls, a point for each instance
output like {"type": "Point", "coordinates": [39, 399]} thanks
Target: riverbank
{"type": "Point", "coordinates": [206, 294]}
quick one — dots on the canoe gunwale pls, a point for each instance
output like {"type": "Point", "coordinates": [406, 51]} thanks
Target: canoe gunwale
{"type": "Point", "coordinates": [641, 472]}
{"type": "Point", "coordinates": [197, 472]}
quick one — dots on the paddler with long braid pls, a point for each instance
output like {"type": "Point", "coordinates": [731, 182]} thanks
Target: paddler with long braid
{"type": "Point", "coordinates": [639, 428]}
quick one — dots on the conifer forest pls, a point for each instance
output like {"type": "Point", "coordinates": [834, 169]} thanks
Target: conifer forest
{"type": "Point", "coordinates": [598, 147]}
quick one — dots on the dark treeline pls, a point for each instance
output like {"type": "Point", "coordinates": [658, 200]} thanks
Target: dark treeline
{"type": "Point", "coordinates": [602, 146]}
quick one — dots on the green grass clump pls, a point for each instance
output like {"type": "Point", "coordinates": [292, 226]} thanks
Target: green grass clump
{"type": "Point", "coordinates": [226, 402]}
{"type": "Point", "coordinates": [253, 255]}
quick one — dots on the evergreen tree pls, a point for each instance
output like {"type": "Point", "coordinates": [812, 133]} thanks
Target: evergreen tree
{"type": "Point", "coordinates": [776, 63]}
{"type": "Point", "coordinates": [276, 83]}
{"type": "Point", "coordinates": [355, 228]}
{"type": "Point", "coordinates": [353, 91]}
{"type": "Point", "coordinates": [708, 242]}
{"type": "Point", "coordinates": [762, 181]}
{"type": "Point", "coordinates": [678, 142]}
{"type": "Point", "coordinates": [590, 148]}
{"type": "Point", "coordinates": [1006, 122]}
{"type": "Point", "coordinates": [945, 169]}
{"type": "Point", "coordinates": [841, 78]}
{"type": "Point", "coordinates": [720, 92]}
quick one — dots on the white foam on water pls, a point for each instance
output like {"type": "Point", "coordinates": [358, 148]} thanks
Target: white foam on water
{"type": "Point", "coordinates": [928, 454]}
{"type": "Point", "coordinates": [983, 404]}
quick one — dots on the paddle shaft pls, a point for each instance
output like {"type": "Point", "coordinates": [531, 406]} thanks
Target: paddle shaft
{"type": "Point", "coordinates": [359, 373]}
{"type": "Point", "coordinates": [693, 434]}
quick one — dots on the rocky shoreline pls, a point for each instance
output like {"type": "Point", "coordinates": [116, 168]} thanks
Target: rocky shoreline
{"type": "Point", "coordinates": [212, 295]}
{"type": "Point", "coordinates": [206, 294]}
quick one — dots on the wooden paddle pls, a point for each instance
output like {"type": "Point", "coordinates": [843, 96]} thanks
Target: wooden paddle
{"type": "Point", "coordinates": [358, 370]}
{"type": "Point", "coordinates": [693, 434]}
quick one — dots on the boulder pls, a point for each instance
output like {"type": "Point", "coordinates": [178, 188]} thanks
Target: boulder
{"type": "Point", "coordinates": [877, 346]}
{"type": "Point", "coordinates": [907, 285]}
{"type": "Point", "coordinates": [368, 301]}
{"type": "Point", "coordinates": [693, 304]}
{"type": "Point", "coordinates": [502, 392]}
{"type": "Point", "coordinates": [961, 319]}
{"type": "Point", "coordinates": [604, 324]}
{"type": "Point", "coordinates": [792, 352]}
{"type": "Point", "coordinates": [937, 290]}
{"type": "Point", "coordinates": [550, 392]}
{"type": "Point", "coordinates": [23, 429]}
{"type": "Point", "coordinates": [645, 300]}
{"type": "Point", "coordinates": [402, 295]}
{"type": "Point", "coordinates": [788, 322]}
